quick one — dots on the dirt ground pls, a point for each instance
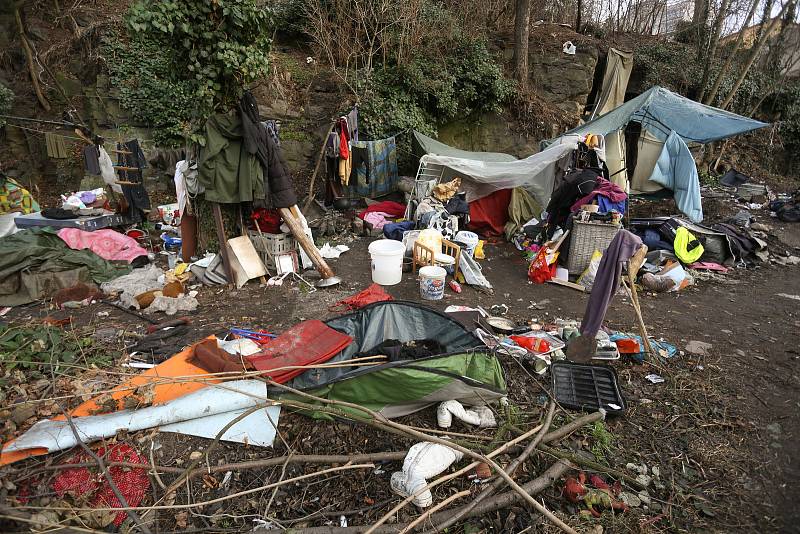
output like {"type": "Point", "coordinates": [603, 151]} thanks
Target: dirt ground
{"type": "Point", "coordinates": [721, 430]}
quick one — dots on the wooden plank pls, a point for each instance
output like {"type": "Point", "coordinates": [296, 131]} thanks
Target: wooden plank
{"type": "Point", "coordinates": [223, 242]}
{"type": "Point", "coordinates": [567, 284]}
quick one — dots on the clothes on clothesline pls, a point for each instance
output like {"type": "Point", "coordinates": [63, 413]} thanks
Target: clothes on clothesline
{"type": "Point", "coordinates": [56, 148]}
{"type": "Point", "coordinates": [91, 159]}
{"type": "Point", "coordinates": [378, 175]}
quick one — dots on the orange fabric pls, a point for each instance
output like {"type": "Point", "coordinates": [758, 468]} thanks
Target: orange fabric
{"type": "Point", "coordinates": [177, 365]}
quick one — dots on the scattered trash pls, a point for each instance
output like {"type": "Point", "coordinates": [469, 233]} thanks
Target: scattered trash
{"type": "Point", "coordinates": [329, 252]}
{"type": "Point", "coordinates": [655, 379]}
{"type": "Point", "coordinates": [569, 48]}
{"type": "Point", "coordinates": [699, 348]}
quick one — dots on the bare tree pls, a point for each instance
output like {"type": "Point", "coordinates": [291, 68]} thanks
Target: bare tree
{"type": "Point", "coordinates": [756, 50]}
{"type": "Point", "coordinates": [712, 46]}
{"type": "Point", "coordinates": [723, 71]}
{"type": "Point", "coordinates": [522, 32]}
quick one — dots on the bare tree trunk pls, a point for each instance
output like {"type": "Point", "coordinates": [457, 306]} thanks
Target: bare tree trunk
{"type": "Point", "coordinates": [713, 44]}
{"type": "Point", "coordinates": [522, 31]}
{"type": "Point", "coordinates": [699, 20]}
{"type": "Point", "coordinates": [754, 53]}
{"type": "Point", "coordinates": [578, 16]}
{"type": "Point", "coordinates": [712, 93]}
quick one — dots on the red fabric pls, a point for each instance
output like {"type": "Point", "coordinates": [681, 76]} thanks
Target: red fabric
{"type": "Point", "coordinates": [394, 209]}
{"type": "Point", "coordinates": [307, 343]}
{"type": "Point", "coordinates": [488, 216]}
{"type": "Point", "coordinates": [133, 483]}
{"type": "Point", "coordinates": [374, 293]}
{"type": "Point", "coordinates": [344, 137]}
{"type": "Point", "coordinates": [267, 220]}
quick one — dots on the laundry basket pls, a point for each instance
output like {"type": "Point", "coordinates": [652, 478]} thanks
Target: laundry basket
{"type": "Point", "coordinates": [586, 237]}
{"type": "Point", "coordinates": [270, 245]}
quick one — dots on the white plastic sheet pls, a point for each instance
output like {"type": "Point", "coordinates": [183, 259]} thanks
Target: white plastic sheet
{"type": "Point", "coordinates": [535, 174]}
{"type": "Point", "coordinates": [202, 413]}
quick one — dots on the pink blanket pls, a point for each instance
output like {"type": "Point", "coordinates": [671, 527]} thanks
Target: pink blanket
{"type": "Point", "coordinates": [107, 244]}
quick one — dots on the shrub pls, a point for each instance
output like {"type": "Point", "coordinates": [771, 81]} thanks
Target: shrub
{"type": "Point", "coordinates": [430, 90]}
{"type": "Point", "coordinates": [6, 101]}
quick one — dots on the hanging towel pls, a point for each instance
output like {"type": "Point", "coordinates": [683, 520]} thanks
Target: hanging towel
{"type": "Point", "coordinates": [377, 176]}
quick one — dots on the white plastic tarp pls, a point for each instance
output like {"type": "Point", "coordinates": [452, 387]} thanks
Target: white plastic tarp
{"type": "Point", "coordinates": [202, 413]}
{"type": "Point", "coordinates": [536, 173]}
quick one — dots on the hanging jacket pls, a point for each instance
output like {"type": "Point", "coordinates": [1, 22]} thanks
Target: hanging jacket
{"type": "Point", "coordinates": [229, 173]}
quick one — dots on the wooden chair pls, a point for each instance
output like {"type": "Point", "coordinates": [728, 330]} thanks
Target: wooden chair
{"type": "Point", "coordinates": [423, 255]}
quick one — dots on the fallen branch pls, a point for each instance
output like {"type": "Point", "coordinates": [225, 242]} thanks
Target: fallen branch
{"type": "Point", "coordinates": [430, 512]}
{"type": "Point", "coordinates": [504, 500]}
{"type": "Point", "coordinates": [379, 421]}
{"type": "Point", "coordinates": [594, 466]}
{"type": "Point", "coordinates": [510, 470]}
{"type": "Point", "coordinates": [130, 509]}
{"type": "Point", "coordinates": [572, 426]}
{"type": "Point", "coordinates": [445, 478]}
{"type": "Point", "coordinates": [252, 464]}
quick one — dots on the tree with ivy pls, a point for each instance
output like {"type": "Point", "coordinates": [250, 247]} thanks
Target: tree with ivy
{"type": "Point", "coordinates": [186, 59]}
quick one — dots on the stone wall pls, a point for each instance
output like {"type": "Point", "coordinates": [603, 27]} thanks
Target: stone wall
{"type": "Point", "coordinates": [563, 79]}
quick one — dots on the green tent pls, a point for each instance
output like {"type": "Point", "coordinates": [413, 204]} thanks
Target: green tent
{"type": "Point", "coordinates": [465, 371]}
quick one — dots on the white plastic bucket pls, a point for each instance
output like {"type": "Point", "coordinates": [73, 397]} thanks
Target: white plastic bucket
{"type": "Point", "coordinates": [431, 282]}
{"type": "Point", "coordinates": [469, 240]}
{"type": "Point", "coordinates": [387, 261]}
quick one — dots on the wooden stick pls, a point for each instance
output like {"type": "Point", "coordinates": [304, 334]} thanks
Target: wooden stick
{"type": "Point", "coordinates": [223, 242]}
{"type": "Point", "coordinates": [436, 508]}
{"type": "Point", "coordinates": [308, 246]}
{"type": "Point", "coordinates": [310, 198]}
{"type": "Point", "coordinates": [202, 503]}
{"type": "Point", "coordinates": [634, 264]}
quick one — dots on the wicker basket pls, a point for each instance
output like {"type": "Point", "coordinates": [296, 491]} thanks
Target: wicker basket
{"type": "Point", "coordinates": [270, 245]}
{"type": "Point", "coordinates": [585, 239]}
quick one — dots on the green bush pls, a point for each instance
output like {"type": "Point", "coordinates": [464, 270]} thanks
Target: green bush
{"type": "Point", "coordinates": [223, 45]}
{"type": "Point", "coordinates": [432, 89]}
{"type": "Point", "coordinates": [6, 101]}
{"type": "Point", "coordinates": [142, 70]}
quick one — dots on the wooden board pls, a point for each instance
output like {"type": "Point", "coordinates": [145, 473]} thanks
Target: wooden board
{"type": "Point", "coordinates": [246, 264]}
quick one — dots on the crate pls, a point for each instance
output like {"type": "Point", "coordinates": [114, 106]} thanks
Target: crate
{"type": "Point", "coordinates": [585, 238]}
{"type": "Point", "coordinates": [270, 245]}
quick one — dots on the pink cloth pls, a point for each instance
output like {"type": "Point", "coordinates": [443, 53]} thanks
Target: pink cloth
{"type": "Point", "coordinates": [604, 188]}
{"type": "Point", "coordinates": [377, 219]}
{"type": "Point", "coordinates": [708, 266]}
{"type": "Point", "coordinates": [107, 244]}
{"type": "Point", "coordinates": [394, 209]}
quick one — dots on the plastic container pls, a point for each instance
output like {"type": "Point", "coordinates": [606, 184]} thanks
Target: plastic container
{"type": "Point", "coordinates": [468, 240]}
{"type": "Point", "coordinates": [431, 282]}
{"type": "Point", "coordinates": [387, 261]}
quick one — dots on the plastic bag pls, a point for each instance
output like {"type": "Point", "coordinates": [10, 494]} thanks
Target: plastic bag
{"type": "Point", "coordinates": [543, 266]}
{"type": "Point", "coordinates": [424, 460]}
{"type": "Point", "coordinates": [586, 279]}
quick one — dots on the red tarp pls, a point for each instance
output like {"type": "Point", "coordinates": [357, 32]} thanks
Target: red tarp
{"type": "Point", "coordinates": [488, 216]}
{"type": "Point", "coordinates": [307, 343]}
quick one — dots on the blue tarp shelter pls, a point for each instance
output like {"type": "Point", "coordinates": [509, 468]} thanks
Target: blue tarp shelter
{"type": "Point", "coordinates": [660, 111]}
{"type": "Point", "coordinates": [669, 121]}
